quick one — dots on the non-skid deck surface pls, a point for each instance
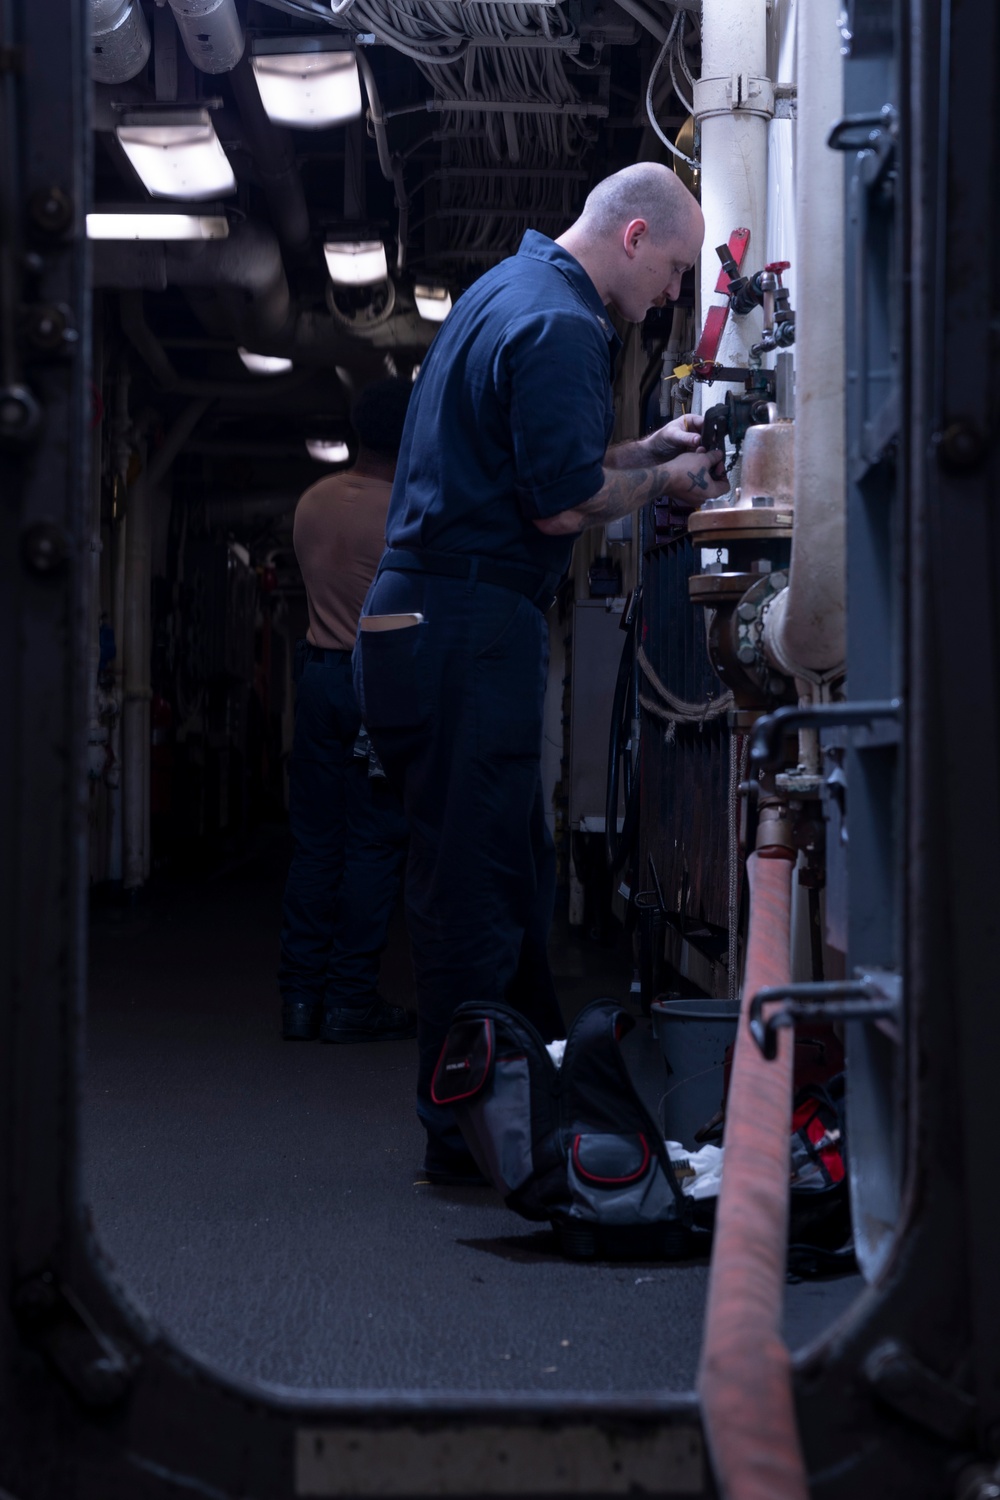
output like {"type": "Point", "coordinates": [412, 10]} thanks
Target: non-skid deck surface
{"type": "Point", "coordinates": [262, 1200]}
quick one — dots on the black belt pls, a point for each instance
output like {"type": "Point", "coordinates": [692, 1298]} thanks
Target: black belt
{"type": "Point", "coordinates": [322, 653]}
{"type": "Point", "coordinates": [539, 587]}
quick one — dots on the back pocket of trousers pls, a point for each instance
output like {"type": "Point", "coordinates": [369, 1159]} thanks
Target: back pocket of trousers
{"type": "Point", "coordinates": [393, 689]}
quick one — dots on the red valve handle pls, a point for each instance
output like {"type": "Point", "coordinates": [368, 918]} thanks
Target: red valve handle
{"type": "Point", "coordinates": [778, 266]}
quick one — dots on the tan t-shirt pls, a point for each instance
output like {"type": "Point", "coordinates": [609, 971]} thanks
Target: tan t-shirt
{"type": "Point", "coordinates": [339, 536]}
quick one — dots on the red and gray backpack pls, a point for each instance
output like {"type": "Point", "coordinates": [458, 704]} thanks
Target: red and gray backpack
{"type": "Point", "coordinates": [571, 1144]}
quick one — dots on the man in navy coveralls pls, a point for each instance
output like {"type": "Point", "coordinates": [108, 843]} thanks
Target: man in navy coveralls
{"type": "Point", "coordinates": [504, 461]}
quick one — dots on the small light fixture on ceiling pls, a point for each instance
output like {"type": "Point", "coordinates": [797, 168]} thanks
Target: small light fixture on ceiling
{"type": "Point", "coordinates": [356, 262]}
{"type": "Point", "coordinates": [328, 450]}
{"type": "Point", "coordinates": [176, 153]}
{"type": "Point", "coordinates": [433, 302]}
{"type": "Point", "coordinates": [135, 224]}
{"type": "Point", "coordinates": [311, 82]}
{"type": "Point", "coordinates": [264, 364]}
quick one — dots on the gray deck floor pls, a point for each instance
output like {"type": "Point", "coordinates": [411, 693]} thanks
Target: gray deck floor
{"type": "Point", "coordinates": [263, 1201]}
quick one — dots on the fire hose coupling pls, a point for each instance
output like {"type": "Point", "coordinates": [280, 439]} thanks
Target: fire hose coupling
{"type": "Point", "coordinates": [775, 838]}
{"type": "Point", "coordinates": [876, 995]}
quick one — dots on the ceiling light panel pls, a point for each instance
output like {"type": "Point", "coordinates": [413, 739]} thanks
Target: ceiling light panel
{"type": "Point", "coordinates": [127, 225]}
{"type": "Point", "coordinates": [177, 155]}
{"type": "Point", "coordinates": [265, 364]}
{"type": "Point", "coordinates": [356, 262]}
{"type": "Point", "coordinates": [433, 302]}
{"type": "Point", "coordinates": [310, 89]}
{"type": "Point", "coordinates": [327, 452]}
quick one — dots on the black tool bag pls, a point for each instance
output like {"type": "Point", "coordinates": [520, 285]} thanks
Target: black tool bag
{"type": "Point", "coordinates": [574, 1144]}
{"type": "Point", "coordinates": [819, 1209]}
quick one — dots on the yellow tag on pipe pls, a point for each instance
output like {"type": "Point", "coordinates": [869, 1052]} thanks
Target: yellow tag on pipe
{"type": "Point", "coordinates": [683, 371]}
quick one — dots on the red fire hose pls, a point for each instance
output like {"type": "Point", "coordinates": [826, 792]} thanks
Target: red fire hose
{"type": "Point", "coordinates": [744, 1376]}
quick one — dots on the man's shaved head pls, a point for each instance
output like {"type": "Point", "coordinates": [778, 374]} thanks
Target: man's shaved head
{"type": "Point", "coordinates": [639, 232]}
{"type": "Point", "coordinates": [648, 190]}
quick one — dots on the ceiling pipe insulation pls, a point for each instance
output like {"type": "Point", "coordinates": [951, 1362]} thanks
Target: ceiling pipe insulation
{"type": "Point", "coordinates": [119, 40]}
{"type": "Point", "coordinates": [211, 33]}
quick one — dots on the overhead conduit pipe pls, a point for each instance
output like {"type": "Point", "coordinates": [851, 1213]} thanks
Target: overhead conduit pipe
{"type": "Point", "coordinates": [248, 263]}
{"type": "Point", "coordinates": [744, 1375]}
{"type": "Point", "coordinates": [804, 629]}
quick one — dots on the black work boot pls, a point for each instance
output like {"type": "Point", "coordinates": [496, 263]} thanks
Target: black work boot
{"type": "Point", "coordinates": [300, 1020]}
{"type": "Point", "coordinates": [377, 1022]}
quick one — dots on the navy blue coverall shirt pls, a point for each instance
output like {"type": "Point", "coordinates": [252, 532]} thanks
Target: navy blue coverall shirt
{"type": "Point", "coordinates": [509, 421]}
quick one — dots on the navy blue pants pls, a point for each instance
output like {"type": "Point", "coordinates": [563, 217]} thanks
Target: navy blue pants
{"type": "Point", "coordinates": [454, 709]}
{"type": "Point", "coordinates": [350, 845]}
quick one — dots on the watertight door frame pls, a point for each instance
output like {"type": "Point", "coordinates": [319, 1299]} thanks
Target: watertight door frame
{"type": "Point", "coordinates": [95, 1403]}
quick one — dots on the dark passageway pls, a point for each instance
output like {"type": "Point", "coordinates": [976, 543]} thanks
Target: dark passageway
{"type": "Point", "coordinates": [262, 1199]}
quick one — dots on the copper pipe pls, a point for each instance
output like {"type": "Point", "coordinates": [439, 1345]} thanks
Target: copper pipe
{"type": "Point", "coordinates": [744, 1375]}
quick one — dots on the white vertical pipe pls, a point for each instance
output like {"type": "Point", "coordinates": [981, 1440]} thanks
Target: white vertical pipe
{"type": "Point", "coordinates": [733, 163]}
{"type": "Point", "coordinates": [780, 236]}
{"type": "Point", "coordinates": [804, 629]}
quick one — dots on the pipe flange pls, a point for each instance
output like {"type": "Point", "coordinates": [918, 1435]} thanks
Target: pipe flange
{"type": "Point", "coordinates": [748, 633]}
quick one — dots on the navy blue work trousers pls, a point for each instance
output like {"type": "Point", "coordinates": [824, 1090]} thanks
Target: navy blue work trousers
{"type": "Point", "coordinates": [454, 709]}
{"type": "Point", "coordinates": [350, 845]}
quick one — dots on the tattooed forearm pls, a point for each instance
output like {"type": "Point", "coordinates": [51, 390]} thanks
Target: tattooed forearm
{"type": "Point", "coordinates": [623, 491]}
{"type": "Point", "coordinates": [636, 454]}
{"type": "Point", "coordinates": [687, 479]}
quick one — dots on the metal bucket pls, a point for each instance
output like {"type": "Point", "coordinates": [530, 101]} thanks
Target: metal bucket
{"type": "Point", "coordinates": [693, 1037]}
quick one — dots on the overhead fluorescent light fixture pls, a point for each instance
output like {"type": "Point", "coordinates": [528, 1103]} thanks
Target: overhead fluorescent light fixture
{"type": "Point", "coordinates": [126, 224]}
{"type": "Point", "coordinates": [433, 302]}
{"type": "Point", "coordinates": [265, 364]}
{"type": "Point", "coordinates": [326, 451]}
{"type": "Point", "coordinates": [311, 82]}
{"type": "Point", "coordinates": [176, 153]}
{"type": "Point", "coordinates": [356, 262]}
